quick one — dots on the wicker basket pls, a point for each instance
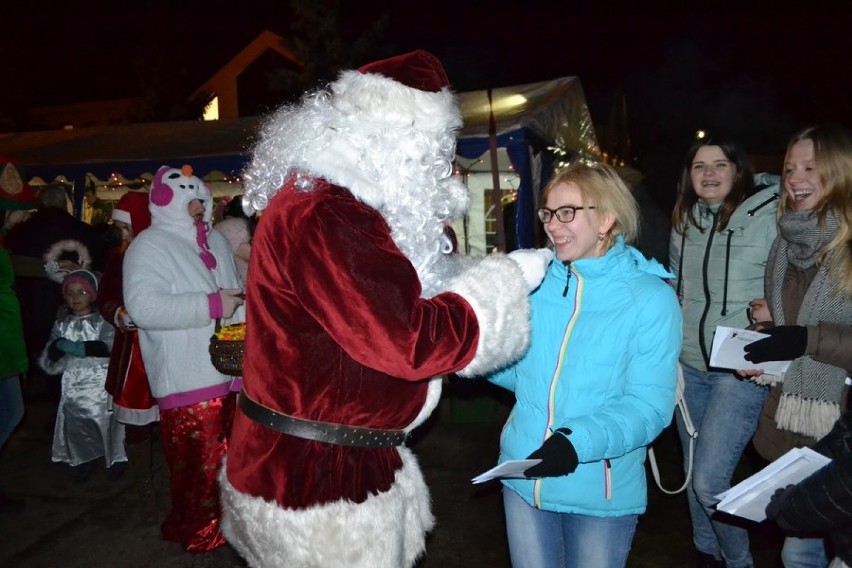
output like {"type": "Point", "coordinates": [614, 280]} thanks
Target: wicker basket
{"type": "Point", "coordinates": [226, 356]}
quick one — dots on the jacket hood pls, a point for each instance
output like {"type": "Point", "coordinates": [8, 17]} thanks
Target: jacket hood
{"type": "Point", "coordinates": [767, 185]}
{"type": "Point", "coordinates": [619, 256]}
{"type": "Point", "coordinates": [171, 191]}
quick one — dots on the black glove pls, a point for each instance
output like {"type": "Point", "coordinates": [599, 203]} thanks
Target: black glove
{"type": "Point", "coordinates": [96, 349]}
{"type": "Point", "coordinates": [785, 343]}
{"type": "Point", "coordinates": [54, 353]}
{"type": "Point", "coordinates": [557, 454]}
{"type": "Point", "coordinates": [776, 503]}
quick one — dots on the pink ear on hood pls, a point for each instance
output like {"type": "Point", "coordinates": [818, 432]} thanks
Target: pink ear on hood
{"type": "Point", "coordinates": [161, 194]}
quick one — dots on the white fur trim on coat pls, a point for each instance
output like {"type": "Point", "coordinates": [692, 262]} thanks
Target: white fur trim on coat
{"type": "Point", "coordinates": [433, 397]}
{"type": "Point", "coordinates": [52, 367]}
{"type": "Point", "coordinates": [496, 290]}
{"type": "Point", "coordinates": [388, 530]}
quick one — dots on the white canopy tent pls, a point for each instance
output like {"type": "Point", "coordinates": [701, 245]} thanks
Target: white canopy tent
{"type": "Point", "coordinates": [535, 126]}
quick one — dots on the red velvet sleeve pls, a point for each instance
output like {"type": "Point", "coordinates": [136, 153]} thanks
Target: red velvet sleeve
{"type": "Point", "coordinates": [347, 273]}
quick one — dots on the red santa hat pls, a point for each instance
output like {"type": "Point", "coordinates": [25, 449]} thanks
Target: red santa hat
{"type": "Point", "coordinates": [419, 70]}
{"type": "Point", "coordinates": [405, 91]}
{"type": "Point", "coordinates": [132, 209]}
{"type": "Point", "coordinates": [86, 279]}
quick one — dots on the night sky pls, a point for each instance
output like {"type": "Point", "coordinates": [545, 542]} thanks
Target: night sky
{"type": "Point", "coordinates": [756, 70]}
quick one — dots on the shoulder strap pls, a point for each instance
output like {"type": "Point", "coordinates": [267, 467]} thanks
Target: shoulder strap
{"type": "Point", "coordinates": [690, 429]}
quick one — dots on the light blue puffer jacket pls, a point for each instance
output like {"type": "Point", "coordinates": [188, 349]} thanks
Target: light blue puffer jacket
{"type": "Point", "coordinates": [718, 274]}
{"type": "Point", "coordinates": [603, 363]}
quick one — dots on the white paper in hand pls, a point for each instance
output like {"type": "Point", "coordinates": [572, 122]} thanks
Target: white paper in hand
{"type": "Point", "coordinates": [511, 468]}
{"type": "Point", "coordinates": [749, 498]}
{"type": "Point", "coordinates": [728, 351]}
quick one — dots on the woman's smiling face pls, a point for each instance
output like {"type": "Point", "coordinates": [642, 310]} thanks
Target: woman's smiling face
{"type": "Point", "coordinates": [712, 174]}
{"type": "Point", "coordinates": [801, 177]}
{"type": "Point", "coordinates": [578, 238]}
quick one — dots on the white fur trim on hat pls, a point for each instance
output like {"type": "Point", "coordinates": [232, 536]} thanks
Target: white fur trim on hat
{"type": "Point", "coordinates": [503, 312]}
{"type": "Point", "coordinates": [388, 530]}
{"type": "Point", "coordinates": [52, 267]}
{"type": "Point", "coordinates": [121, 215]}
{"type": "Point", "coordinates": [377, 99]}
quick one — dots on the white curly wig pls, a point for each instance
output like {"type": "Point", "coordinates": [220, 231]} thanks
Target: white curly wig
{"type": "Point", "coordinates": [391, 145]}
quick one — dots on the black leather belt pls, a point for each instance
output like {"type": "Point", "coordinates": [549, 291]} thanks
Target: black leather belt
{"type": "Point", "coordinates": [319, 431]}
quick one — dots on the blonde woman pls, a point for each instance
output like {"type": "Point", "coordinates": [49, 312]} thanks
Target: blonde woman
{"type": "Point", "coordinates": [809, 296]}
{"type": "Point", "coordinates": [597, 384]}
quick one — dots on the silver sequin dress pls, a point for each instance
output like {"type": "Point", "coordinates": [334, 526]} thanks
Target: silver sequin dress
{"type": "Point", "coordinates": [85, 427]}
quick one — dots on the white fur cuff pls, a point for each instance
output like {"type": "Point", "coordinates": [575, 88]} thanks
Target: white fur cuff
{"type": "Point", "coordinates": [496, 290]}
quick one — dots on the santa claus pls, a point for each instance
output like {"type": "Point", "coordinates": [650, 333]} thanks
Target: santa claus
{"type": "Point", "coordinates": [356, 307]}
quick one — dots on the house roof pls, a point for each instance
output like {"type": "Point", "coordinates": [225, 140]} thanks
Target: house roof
{"type": "Point", "coordinates": [554, 110]}
{"type": "Point", "coordinates": [266, 41]}
{"type": "Point", "coordinates": [131, 142]}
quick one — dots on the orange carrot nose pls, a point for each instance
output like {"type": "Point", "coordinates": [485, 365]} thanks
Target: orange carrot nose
{"type": "Point", "coordinates": [187, 170]}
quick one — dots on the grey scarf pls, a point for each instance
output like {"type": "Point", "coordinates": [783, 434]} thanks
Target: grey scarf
{"type": "Point", "coordinates": [811, 390]}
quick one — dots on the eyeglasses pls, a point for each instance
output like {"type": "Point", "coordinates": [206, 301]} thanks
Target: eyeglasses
{"type": "Point", "coordinates": [563, 214]}
{"type": "Point", "coordinates": [717, 166]}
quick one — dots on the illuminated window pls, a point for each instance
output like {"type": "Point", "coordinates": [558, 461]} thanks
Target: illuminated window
{"type": "Point", "coordinates": [211, 111]}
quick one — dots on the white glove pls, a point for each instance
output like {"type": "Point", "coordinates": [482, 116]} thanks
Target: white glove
{"type": "Point", "coordinates": [533, 263]}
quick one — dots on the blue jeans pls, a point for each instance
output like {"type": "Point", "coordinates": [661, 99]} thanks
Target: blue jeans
{"type": "Point", "coordinates": [725, 412]}
{"type": "Point", "coordinates": [11, 407]}
{"type": "Point", "coordinates": [804, 553]}
{"type": "Point", "coordinates": [545, 539]}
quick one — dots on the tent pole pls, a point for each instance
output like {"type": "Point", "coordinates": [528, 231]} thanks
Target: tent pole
{"type": "Point", "coordinates": [496, 193]}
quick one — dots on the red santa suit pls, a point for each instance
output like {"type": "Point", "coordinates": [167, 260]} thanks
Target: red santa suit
{"type": "Point", "coordinates": [126, 382]}
{"type": "Point", "coordinates": [356, 306]}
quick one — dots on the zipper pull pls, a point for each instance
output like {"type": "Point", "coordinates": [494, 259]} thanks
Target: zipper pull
{"type": "Point", "coordinates": [567, 264]}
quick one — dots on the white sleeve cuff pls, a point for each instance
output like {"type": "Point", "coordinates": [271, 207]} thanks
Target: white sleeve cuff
{"type": "Point", "coordinates": [496, 290]}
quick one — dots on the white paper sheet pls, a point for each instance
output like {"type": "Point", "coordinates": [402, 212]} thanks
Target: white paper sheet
{"type": "Point", "coordinates": [511, 468]}
{"type": "Point", "coordinates": [728, 351]}
{"type": "Point", "coordinates": [749, 498]}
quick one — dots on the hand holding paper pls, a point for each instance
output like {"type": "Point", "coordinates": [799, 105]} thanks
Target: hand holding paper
{"type": "Point", "coordinates": [785, 342]}
{"type": "Point", "coordinates": [728, 351]}
{"type": "Point", "coordinates": [749, 498]}
{"type": "Point", "coordinates": [511, 468]}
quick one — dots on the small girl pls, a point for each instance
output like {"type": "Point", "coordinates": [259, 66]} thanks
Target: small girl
{"type": "Point", "coordinates": [79, 348]}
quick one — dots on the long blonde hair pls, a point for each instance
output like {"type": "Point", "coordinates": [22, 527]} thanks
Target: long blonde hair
{"type": "Point", "coordinates": [833, 157]}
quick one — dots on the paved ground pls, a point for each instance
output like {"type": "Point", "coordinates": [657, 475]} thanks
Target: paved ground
{"type": "Point", "coordinates": [93, 525]}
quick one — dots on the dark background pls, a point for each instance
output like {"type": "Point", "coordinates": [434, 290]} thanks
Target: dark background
{"type": "Point", "coordinates": [657, 72]}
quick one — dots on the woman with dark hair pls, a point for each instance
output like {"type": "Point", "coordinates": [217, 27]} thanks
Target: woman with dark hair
{"type": "Point", "coordinates": [722, 228]}
{"type": "Point", "coordinates": [809, 297]}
